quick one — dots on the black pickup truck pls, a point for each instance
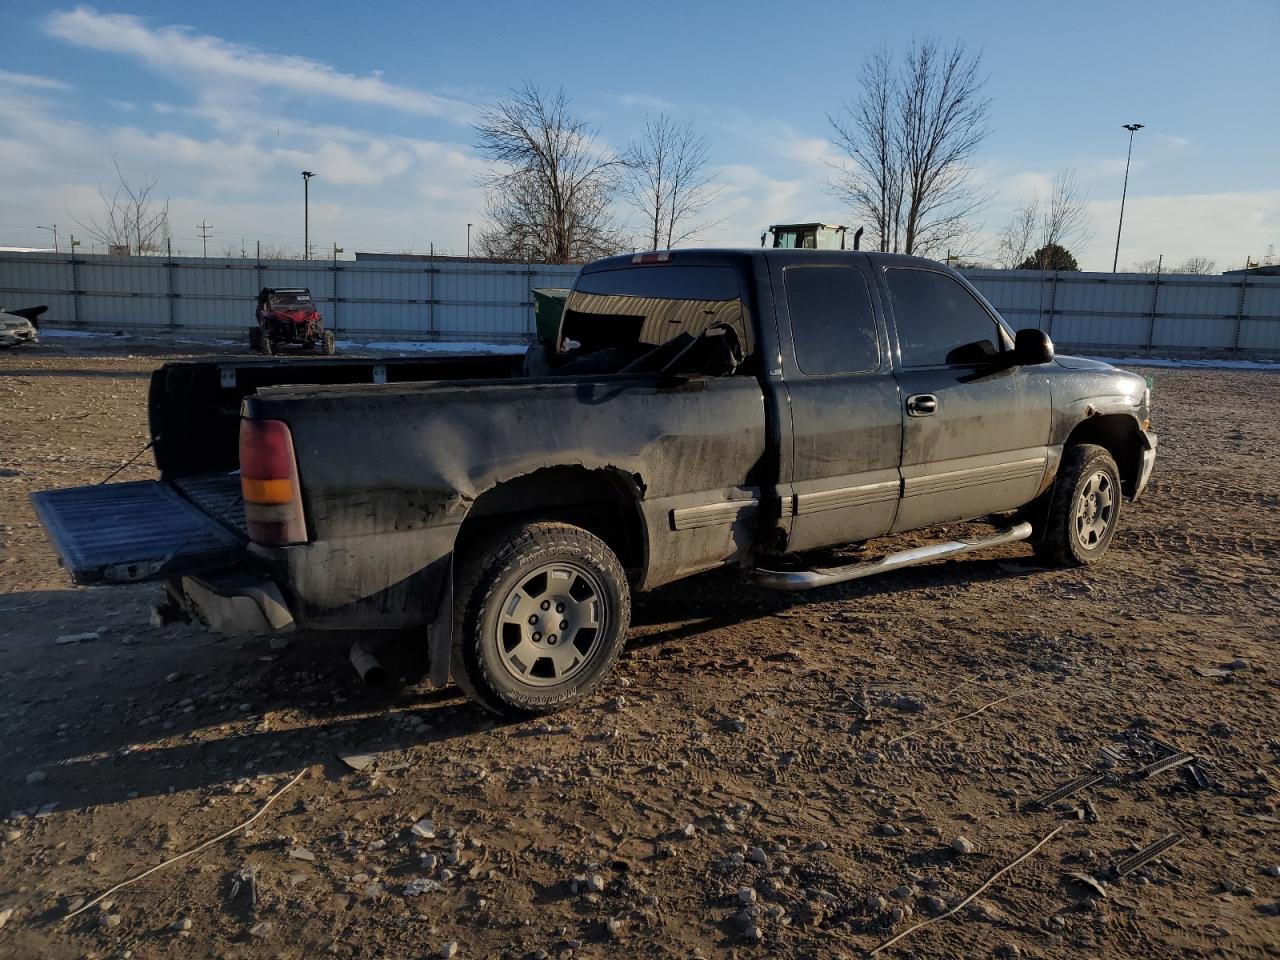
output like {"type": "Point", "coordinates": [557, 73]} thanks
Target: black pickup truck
{"type": "Point", "coordinates": [696, 409]}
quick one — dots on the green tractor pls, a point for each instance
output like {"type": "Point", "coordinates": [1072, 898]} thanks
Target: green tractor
{"type": "Point", "coordinates": [808, 236]}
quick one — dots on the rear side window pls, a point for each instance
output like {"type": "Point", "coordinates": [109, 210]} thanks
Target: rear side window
{"type": "Point", "coordinates": [832, 321]}
{"type": "Point", "coordinates": [649, 305]}
{"type": "Point", "coordinates": [939, 322]}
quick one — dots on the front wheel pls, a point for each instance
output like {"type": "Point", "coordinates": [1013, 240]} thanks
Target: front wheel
{"type": "Point", "coordinates": [328, 343]}
{"type": "Point", "coordinates": [1083, 509]}
{"type": "Point", "coordinates": [543, 609]}
{"type": "Point", "coordinates": [268, 345]}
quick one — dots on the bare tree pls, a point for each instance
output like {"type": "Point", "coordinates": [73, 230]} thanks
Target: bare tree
{"type": "Point", "coordinates": [669, 183]}
{"type": "Point", "coordinates": [1199, 266]}
{"type": "Point", "coordinates": [1066, 215]}
{"type": "Point", "coordinates": [132, 218]}
{"type": "Point", "coordinates": [277, 251]}
{"type": "Point", "coordinates": [550, 187]}
{"type": "Point", "coordinates": [1016, 241]}
{"type": "Point", "coordinates": [909, 139]}
{"type": "Point", "coordinates": [1147, 266]}
{"type": "Point", "coordinates": [1038, 226]}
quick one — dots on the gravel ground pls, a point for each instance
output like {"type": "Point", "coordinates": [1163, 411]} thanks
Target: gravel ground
{"type": "Point", "coordinates": [764, 775]}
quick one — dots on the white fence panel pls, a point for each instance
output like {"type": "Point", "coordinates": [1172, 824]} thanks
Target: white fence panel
{"type": "Point", "coordinates": [457, 299]}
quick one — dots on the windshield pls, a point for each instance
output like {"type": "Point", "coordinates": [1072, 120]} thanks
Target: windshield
{"type": "Point", "coordinates": [291, 301]}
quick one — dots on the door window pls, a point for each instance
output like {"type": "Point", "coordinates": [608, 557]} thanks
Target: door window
{"type": "Point", "coordinates": [832, 321]}
{"type": "Point", "coordinates": [939, 322]}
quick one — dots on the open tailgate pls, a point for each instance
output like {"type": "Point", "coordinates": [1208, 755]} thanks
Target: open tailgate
{"type": "Point", "coordinates": [129, 532]}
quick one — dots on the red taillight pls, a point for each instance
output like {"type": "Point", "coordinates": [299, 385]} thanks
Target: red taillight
{"type": "Point", "coordinates": [269, 484]}
{"type": "Point", "coordinates": [653, 256]}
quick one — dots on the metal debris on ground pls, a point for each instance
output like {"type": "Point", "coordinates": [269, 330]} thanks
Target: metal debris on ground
{"type": "Point", "coordinates": [1088, 882]}
{"type": "Point", "coordinates": [1164, 763]}
{"type": "Point", "coordinates": [1212, 672]}
{"type": "Point", "coordinates": [1113, 753]}
{"type": "Point", "coordinates": [1195, 777]}
{"type": "Point", "coordinates": [1146, 855]}
{"type": "Point", "coordinates": [1068, 789]}
{"type": "Point", "coordinates": [358, 761]}
{"type": "Point", "coordinates": [864, 703]}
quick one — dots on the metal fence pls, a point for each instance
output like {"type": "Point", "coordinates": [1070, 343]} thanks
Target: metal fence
{"type": "Point", "coordinates": [1171, 313]}
{"type": "Point", "coordinates": [433, 299]}
{"type": "Point", "coordinates": [459, 299]}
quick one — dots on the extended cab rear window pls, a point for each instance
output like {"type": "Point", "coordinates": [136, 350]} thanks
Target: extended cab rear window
{"type": "Point", "coordinates": [647, 305]}
{"type": "Point", "coordinates": [833, 324]}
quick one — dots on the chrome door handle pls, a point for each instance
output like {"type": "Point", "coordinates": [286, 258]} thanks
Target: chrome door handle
{"type": "Point", "coordinates": [922, 405]}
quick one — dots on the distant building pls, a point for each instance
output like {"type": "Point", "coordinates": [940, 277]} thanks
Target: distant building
{"type": "Point", "coordinates": [1266, 270]}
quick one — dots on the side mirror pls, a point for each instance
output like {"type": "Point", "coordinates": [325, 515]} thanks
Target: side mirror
{"type": "Point", "coordinates": [1031, 347]}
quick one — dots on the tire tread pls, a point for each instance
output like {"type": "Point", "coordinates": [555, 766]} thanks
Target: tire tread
{"type": "Point", "coordinates": [1057, 545]}
{"type": "Point", "coordinates": [482, 568]}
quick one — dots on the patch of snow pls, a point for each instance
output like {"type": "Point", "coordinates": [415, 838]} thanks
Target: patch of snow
{"type": "Point", "coordinates": [436, 346]}
{"type": "Point", "coordinates": [71, 334]}
{"type": "Point", "coordinates": [1203, 363]}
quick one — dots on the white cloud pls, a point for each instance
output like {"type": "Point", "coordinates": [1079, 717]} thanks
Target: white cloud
{"type": "Point", "coordinates": [10, 79]}
{"type": "Point", "coordinates": [178, 51]}
{"type": "Point", "coordinates": [644, 101]}
{"type": "Point", "coordinates": [1226, 227]}
{"type": "Point", "coordinates": [374, 191]}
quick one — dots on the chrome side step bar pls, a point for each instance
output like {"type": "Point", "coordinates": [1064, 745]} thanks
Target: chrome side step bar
{"type": "Point", "coordinates": [825, 576]}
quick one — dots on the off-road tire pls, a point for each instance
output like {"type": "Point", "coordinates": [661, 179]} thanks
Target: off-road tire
{"type": "Point", "coordinates": [1061, 541]}
{"type": "Point", "coordinates": [255, 339]}
{"type": "Point", "coordinates": [328, 343]}
{"type": "Point", "coordinates": [489, 573]}
{"type": "Point", "coordinates": [268, 345]}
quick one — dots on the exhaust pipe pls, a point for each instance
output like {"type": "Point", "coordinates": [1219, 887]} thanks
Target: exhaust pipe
{"type": "Point", "coordinates": [367, 665]}
{"type": "Point", "coordinates": [857, 237]}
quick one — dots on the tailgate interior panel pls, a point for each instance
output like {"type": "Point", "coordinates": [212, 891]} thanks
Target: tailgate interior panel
{"type": "Point", "coordinates": [123, 532]}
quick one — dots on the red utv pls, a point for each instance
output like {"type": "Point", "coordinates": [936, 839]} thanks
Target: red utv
{"type": "Point", "coordinates": [288, 316]}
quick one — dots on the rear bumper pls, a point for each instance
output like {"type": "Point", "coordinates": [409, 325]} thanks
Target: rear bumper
{"type": "Point", "coordinates": [233, 603]}
{"type": "Point", "coordinates": [1148, 463]}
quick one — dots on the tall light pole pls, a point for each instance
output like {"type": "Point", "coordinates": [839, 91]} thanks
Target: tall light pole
{"type": "Point", "coordinates": [306, 214]}
{"type": "Point", "coordinates": [54, 228]}
{"type": "Point", "coordinates": [468, 241]}
{"type": "Point", "coordinates": [1132, 128]}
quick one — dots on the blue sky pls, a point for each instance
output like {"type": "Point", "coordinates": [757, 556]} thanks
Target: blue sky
{"type": "Point", "coordinates": [226, 102]}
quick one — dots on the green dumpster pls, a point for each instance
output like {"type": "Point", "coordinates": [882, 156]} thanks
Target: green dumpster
{"type": "Point", "coordinates": [549, 308]}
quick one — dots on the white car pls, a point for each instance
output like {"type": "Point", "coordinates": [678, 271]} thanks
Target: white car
{"type": "Point", "coordinates": [15, 330]}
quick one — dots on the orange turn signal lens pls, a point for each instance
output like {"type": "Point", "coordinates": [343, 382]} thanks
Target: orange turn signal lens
{"type": "Point", "coordinates": [267, 491]}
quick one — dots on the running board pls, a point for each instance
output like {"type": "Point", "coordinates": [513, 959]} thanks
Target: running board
{"type": "Point", "coordinates": [825, 576]}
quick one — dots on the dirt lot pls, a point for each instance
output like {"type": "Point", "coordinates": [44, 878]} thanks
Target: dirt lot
{"type": "Point", "coordinates": [725, 794]}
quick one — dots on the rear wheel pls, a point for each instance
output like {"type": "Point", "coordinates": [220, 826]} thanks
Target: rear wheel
{"type": "Point", "coordinates": [328, 344]}
{"type": "Point", "coordinates": [268, 345]}
{"type": "Point", "coordinates": [1083, 509]}
{"type": "Point", "coordinates": [543, 609]}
